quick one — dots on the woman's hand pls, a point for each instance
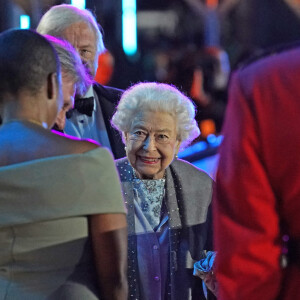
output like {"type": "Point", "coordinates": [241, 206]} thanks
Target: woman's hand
{"type": "Point", "coordinates": [204, 269]}
{"type": "Point", "coordinates": [209, 278]}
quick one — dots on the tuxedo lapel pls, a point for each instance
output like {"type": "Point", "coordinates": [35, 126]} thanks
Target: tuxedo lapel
{"type": "Point", "coordinates": [108, 99]}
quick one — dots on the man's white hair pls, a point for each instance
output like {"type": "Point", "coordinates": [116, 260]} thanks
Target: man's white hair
{"type": "Point", "coordinates": [59, 17]}
{"type": "Point", "coordinates": [71, 64]}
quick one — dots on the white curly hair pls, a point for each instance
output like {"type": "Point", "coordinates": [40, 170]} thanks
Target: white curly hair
{"type": "Point", "coordinates": [153, 96]}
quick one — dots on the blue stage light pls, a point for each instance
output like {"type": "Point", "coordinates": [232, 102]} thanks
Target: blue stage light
{"type": "Point", "coordinates": [79, 3]}
{"type": "Point", "coordinates": [24, 22]}
{"type": "Point", "coordinates": [196, 148]}
{"type": "Point", "coordinates": [129, 27]}
{"type": "Point", "coordinates": [211, 139]}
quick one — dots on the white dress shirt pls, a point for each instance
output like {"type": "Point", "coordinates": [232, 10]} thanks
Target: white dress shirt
{"type": "Point", "coordinates": [85, 127]}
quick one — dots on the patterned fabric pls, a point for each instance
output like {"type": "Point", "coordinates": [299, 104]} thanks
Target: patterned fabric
{"type": "Point", "coordinates": [149, 195]}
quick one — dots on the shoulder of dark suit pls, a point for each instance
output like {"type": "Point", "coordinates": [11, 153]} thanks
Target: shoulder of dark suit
{"type": "Point", "coordinates": [110, 93]}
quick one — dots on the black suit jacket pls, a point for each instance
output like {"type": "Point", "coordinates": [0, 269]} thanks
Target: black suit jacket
{"type": "Point", "coordinates": [108, 99]}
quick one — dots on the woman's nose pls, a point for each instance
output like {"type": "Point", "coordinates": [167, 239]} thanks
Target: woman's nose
{"type": "Point", "coordinates": [149, 144]}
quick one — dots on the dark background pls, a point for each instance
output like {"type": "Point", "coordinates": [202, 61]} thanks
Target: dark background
{"type": "Point", "coordinates": [245, 26]}
{"type": "Point", "coordinates": [173, 36]}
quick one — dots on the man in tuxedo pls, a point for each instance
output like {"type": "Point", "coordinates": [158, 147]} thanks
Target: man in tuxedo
{"type": "Point", "coordinates": [91, 115]}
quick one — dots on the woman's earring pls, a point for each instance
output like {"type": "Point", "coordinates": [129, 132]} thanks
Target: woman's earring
{"type": "Point", "coordinates": [125, 148]}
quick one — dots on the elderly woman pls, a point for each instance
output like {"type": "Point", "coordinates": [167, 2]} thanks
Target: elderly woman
{"type": "Point", "coordinates": [167, 199]}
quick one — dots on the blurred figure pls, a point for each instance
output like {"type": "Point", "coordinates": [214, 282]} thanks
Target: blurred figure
{"type": "Point", "coordinates": [74, 77]}
{"type": "Point", "coordinates": [168, 199]}
{"type": "Point", "coordinates": [204, 75]}
{"type": "Point", "coordinates": [105, 68]}
{"type": "Point", "coordinates": [257, 226]}
{"type": "Point", "coordinates": [91, 116]}
{"type": "Point", "coordinates": [60, 199]}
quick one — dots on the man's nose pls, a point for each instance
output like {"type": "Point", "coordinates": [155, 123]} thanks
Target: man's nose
{"type": "Point", "coordinates": [149, 143]}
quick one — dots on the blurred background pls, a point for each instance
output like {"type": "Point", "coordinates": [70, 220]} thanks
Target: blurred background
{"type": "Point", "coordinates": [193, 44]}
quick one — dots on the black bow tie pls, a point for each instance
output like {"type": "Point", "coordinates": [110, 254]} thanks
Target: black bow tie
{"type": "Point", "coordinates": [83, 105]}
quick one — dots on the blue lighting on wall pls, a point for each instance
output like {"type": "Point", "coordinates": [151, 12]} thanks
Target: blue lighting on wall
{"type": "Point", "coordinates": [129, 27]}
{"type": "Point", "coordinates": [198, 147]}
{"type": "Point", "coordinates": [24, 22]}
{"type": "Point", "coordinates": [79, 3]}
{"type": "Point", "coordinates": [214, 141]}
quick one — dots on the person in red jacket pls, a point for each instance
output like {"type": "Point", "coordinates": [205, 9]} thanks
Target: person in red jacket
{"type": "Point", "coordinates": [257, 193]}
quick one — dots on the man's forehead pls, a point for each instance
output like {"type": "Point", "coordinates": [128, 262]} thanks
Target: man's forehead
{"type": "Point", "coordinates": [80, 34]}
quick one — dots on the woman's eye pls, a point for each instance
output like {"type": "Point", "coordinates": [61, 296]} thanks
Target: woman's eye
{"type": "Point", "coordinates": [163, 137]}
{"type": "Point", "coordinates": [139, 133]}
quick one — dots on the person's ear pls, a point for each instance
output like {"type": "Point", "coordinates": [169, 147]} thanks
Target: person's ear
{"type": "Point", "coordinates": [52, 86]}
{"type": "Point", "coordinates": [178, 143]}
{"type": "Point", "coordinates": [125, 137]}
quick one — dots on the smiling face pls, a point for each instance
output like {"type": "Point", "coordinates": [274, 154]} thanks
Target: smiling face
{"type": "Point", "coordinates": [151, 143]}
{"type": "Point", "coordinates": [83, 39]}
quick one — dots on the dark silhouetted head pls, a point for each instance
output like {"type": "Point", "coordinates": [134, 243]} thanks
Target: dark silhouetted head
{"type": "Point", "coordinates": [27, 60]}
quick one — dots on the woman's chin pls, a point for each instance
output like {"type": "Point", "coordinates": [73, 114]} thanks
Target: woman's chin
{"type": "Point", "coordinates": [143, 174]}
